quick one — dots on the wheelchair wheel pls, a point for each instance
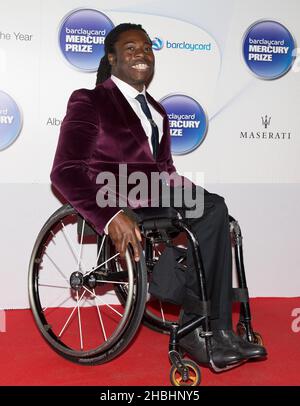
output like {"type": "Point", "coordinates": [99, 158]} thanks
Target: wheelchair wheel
{"type": "Point", "coordinates": [72, 291]}
{"type": "Point", "coordinates": [158, 315]}
{"type": "Point", "coordinates": [256, 338]}
{"type": "Point", "coordinates": [191, 376]}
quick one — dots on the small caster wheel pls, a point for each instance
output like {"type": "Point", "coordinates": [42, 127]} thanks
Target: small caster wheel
{"type": "Point", "coordinates": [192, 378]}
{"type": "Point", "coordinates": [241, 331]}
{"type": "Point", "coordinates": [258, 338]}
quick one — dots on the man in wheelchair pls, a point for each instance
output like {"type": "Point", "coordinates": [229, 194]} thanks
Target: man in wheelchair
{"type": "Point", "coordinates": [116, 123]}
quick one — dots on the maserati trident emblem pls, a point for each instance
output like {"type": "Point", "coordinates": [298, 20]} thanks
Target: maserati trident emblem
{"type": "Point", "coordinates": [266, 121]}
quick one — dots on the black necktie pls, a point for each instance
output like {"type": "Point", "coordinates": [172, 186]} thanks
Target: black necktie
{"type": "Point", "coordinates": [154, 136]}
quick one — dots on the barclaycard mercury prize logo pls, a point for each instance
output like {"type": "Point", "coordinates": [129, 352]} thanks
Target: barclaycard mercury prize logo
{"type": "Point", "coordinates": [10, 120]}
{"type": "Point", "coordinates": [188, 123]}
{"type": "Point", "coordinates": [81, 38]}
{"type": "Point", "coordinates": [268, 49]}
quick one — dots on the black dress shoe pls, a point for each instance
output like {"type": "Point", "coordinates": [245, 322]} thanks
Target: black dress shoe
{"type": "Point", "coordinates": [222, 355]}
{"type": "Point", "coordinates": [248, 350]}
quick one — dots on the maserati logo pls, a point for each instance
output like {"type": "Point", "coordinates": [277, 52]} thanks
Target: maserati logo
{"type": "Point", "coordinates": [266, 121]}
{"type": "Point", "coordinates": [267, 133]}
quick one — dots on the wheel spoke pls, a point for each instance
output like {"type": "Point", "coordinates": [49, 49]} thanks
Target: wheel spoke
{"type": "Point", "coordinates": [100, 249]}
{"type": "Point", "coordinates": [79, 322]}
{"type": "Point", "coordinates": [103, 263]}
{"type": "Point", "coordinates": [70, 316]}
{"type": "Point", "coordinates": [58, 297]}
{"type": "Point", "coordinates": [49, 285]}
{"type": "Point", "coordinates": [102, 301]}
{"type": "Point", "coordinates": [69, 243]}
{"type": "Point", "coordinates": [100, 319]}
{"type": "Point", "coordinates": [57, 267]}
{"type": "Point", "coordinates": [80, 246]}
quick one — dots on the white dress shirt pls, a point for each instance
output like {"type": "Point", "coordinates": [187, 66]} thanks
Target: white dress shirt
{"type": "Point", "coordinates": [130, 94]}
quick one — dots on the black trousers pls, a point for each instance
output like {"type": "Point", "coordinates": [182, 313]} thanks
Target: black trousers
{"type": "Point", "coordinates": [213, 234]}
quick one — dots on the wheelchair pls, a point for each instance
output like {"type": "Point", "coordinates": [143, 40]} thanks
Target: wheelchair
{"type": "Point", "coordinates": [88, 302]}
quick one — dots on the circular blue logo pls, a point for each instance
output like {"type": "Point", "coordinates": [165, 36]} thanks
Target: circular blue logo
{"type": "Point", "coordinates": [188, 123]}
{"type": "Point", "coordinates": [81, 38]}
{"type": "Point", "coordinates": [268, 49]}
{"type": "Point", "coordinates": [157, 44]}
{"type": "Point", "coordinates": [10, 120]}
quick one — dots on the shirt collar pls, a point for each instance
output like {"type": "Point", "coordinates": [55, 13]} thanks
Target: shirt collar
{"type": "Point", "coordinates": [126, 89]}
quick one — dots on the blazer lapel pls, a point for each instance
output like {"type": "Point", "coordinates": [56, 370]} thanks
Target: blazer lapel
{"type": "Point", "coordinates": [131, 120]}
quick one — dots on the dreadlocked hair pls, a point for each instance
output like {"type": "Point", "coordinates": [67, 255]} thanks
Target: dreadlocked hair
{"type": "Point", "coordinates": [104, 70]}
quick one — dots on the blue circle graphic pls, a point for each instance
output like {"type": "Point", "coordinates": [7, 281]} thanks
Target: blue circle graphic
{"type": "Point", "coordinates": [268, 49]}
{"type": "Point", "coordinates": [10, 120]}
{"type": "Point", "coordinates": [81, 38]}
{"type": "Point", "coordinates": [188, 123]}
{"type": "Point", "coordinates": [157, 44]}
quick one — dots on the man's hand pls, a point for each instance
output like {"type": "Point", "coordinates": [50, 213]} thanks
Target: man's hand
{"type": "Point", "coordinates": [122, 230]}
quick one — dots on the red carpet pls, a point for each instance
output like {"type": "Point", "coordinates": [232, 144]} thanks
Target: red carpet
{"type": "Point", "coordinates": [26, 359]}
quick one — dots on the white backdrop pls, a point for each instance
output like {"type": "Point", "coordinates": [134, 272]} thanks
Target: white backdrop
{"type": "Point", "coordinates": [258, 177]}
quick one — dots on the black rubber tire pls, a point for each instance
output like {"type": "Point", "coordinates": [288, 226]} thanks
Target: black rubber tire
{"type": "Point", "coordinates": [97, 355]}
{"type": "Point", "coordinates": [192, 366]}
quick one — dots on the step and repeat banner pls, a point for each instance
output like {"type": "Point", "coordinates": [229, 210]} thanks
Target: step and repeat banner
{"type": "Point", "coordinates": [228, 75]}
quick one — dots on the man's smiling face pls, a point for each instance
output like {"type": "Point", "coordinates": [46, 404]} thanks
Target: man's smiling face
{"type": "Point", "coordinates": [133, 60]}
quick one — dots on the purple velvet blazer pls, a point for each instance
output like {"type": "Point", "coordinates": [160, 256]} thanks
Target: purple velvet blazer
{"type": "Point", "coordinates": [99, 132]}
